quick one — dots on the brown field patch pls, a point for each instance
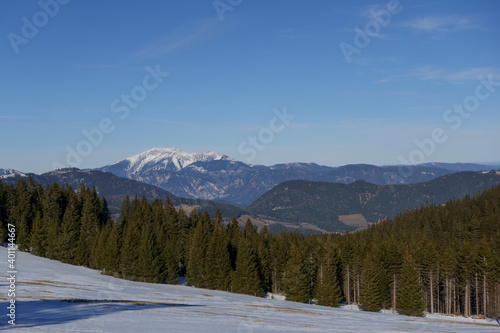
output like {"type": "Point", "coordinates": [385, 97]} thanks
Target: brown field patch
{"type": "Point", "coordinates": [355, 220]}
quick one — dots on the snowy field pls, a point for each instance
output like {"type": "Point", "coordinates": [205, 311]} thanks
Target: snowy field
{"type": "Point", "coordinates": [56, 297]}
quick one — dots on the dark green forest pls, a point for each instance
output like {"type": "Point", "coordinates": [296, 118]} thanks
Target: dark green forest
{"type": "Point", "coordinates": [442, 258]}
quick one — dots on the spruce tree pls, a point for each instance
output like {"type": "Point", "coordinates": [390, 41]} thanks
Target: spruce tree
{"type": "Point", "coordinates": [38, 237]}
{"type": "Point", "coordinates": [246, 279]}
{"type": "Point", "coordinates": [70, 229]}
{"type": "Point", "coordinates": [21, 214]}
{"type": "Point", "coordinates": [171, 261]}
{"type": "Point", "coordinates": [370, 298]}
{"type": "Point", "coordinates": [89, 228]}
{"type": "Point", "coordinates": [99, 254]}
{"type": "Point", "coordinates": [327, 291]}
{"type": "Point", "coordinates": [196, 273]}
{"type": "Point", "coordinates": [112, 249]}
{"type": "Point", "coordinates": [410, 294]}
{"type": "Point", "coordinates": [131, 234]}
{"type": "Point", "coordinates": [148, 255]}
{"type": "Point", "coordinates": [218, 260]}
{"type": "Point", "coordinates": [296, 282]}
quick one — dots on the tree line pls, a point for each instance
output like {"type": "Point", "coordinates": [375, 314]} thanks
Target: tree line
{"type": "Point", "coordinates": [443, 258]}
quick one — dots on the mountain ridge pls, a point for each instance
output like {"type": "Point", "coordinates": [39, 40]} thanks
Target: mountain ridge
{"type": "Point", "coordinates": [215, 176]}
{"type": "Point", "coordinates": [322, 203]}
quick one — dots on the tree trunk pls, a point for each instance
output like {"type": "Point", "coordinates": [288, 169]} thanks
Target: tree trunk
{"type": "Point", "coordinates": [485, 296]}
{"type": "Point", "coordinates": [439, 305]}
{"type": "Point", "coordinates": [432, 292]}
{"type": "Point", "coordinates": [394, 293]}
{"type": "Point", "coordinates": [467, 300]}
{"type": "Point", "coordinates": [454, 297]}
{"type": "Point", "coordinates": [358, 285]}
{"type": "Point", "coordinates": [477, 295]}
{"type": "Point", "coordinates": [348, 293]}
{"type": "Point", "coordinates": [446, 297]}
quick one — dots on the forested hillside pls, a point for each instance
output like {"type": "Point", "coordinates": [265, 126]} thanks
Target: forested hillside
{"type": "Point", "coordinates": [321, 203]}
{"type": "Point", "coordinates": [115, 189]}
{"type": "Point", "coordinates": [437, 259]}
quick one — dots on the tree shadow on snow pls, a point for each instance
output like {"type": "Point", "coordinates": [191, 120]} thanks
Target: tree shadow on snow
{"type": "Point", "coordinates": [68, 311]}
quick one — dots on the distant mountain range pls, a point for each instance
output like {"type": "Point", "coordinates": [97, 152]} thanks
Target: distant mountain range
{"type": "Point", "coordinates": [281, 196]}
{"type": "Point", "coordinates": [329, 205]}
{"type": "Point", "coordinates": [214, 176]}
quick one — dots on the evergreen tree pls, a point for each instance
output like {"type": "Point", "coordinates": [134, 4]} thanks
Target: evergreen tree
{"type": "Point", "coordinates": [264, 257]}
{"type": "Point", "coordinates": [234, 234]}
{"type": "Point", "coordinates": [70, 229]}
{"type": "Point", "coordinates": [112, 248]}
{"type": "Point", "coordinates": [327, 291]}
{"type": "Point", "coordinates": [22, 213]}
{"type": "Point", "coordinates": [196, 273]}
{"type": "Point", "coordinates": [218, 260]}
{"type": "Point", "coordinates": [89, 228]}
{"type": "Point", "coordinates": [38, 237]}
{"type": "Point", "coordinates": [410, 294]}
{"type": "Point", "coordinates": [370, 298]}
{"type": "Point", "coordinates": [171, 261]}
{"type": "Point", "coordinates": [296, 282]}
{"type": "Point", "coordinates": [131, 234]}
{"type": "Point", "coordinates": [148, 255]}
{"type": "Point", "coordinates": [99, 254]}
{"type": "Point", "coordinates": [246, 278]}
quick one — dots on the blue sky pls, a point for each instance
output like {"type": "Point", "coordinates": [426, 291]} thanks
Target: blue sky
{"type": "Point", "coordinates": [366, 81]}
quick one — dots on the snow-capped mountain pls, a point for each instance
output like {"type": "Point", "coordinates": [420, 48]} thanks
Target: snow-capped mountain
{"type": "Point", "coordinates": [191, 175]}
{"type": "Point", "coordinates": [215, 176]}
{"type": "Point", "coordinates": [170, 159]}
{"type": "Point", "coordinates": [7, 173]}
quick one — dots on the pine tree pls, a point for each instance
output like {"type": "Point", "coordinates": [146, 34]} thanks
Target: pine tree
{"type": "Point", "coordinates": [296, 280]}
{"type": "Point", "coordinates": [70, 229]}
{"type": "Point", "coordinates": [148, 255]}
{"type": "Point", "coordinates": [38, 237]}
{"type": "Point", "coordinates": [99, 254]}
{"type": "Point", "coordinates": [246, 278]}
{"type": "Point", "coordinates": [410, 294]}
{"type": "Point", "coordinates": [170, 256]}
{"type": "Point", "coordinates": [22, 214]}
{"type": "Point", "coordinates": [112, 248]}
{"type": "Point", "coordinates": [370, 298]}
{"type": "Point", "coordinates": [89, 228]}
{"type": "Point", "coordinates": [218, 260]}
{"type": "Point", "coordinates": [196, 273]}
{"type": "Point", "coordinates": [327, 291]}
{"type": "Point", "coordinates": [131, 234]}
{"type": "Point", "coordinates": [234, 234]}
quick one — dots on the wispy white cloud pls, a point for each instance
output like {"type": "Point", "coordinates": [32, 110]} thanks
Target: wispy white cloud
{"type": "Point", "coordinates": [184, 37]}
{"type": "Point", "coordinates": [431, 73]}
{"type": "Point", "coordinates": [289, 33]}
{"type": "Point", "coordinates": [442, 25]}
{"type": "Point", "coordinates": [428, 73]}
{"type": "Point", "coordinates": [8, 116]}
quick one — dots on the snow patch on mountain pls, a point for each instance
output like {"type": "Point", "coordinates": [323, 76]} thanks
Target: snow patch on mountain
{"type": "Point", "coordinates": [8, 173]}
{"type": "Point", "coordinates": [168, 158]}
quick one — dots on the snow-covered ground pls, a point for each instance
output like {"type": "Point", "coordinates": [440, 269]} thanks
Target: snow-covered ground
{"type": "Point", "coordinates": [56, 297]}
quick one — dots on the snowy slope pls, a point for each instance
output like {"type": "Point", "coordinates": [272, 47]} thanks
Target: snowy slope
{"type": "Point", "coordinates": [9, 173]}
{"type": "Point", "coordinates": [167, 158]}
{"type": "Point", "coordinates": [56, 297]}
